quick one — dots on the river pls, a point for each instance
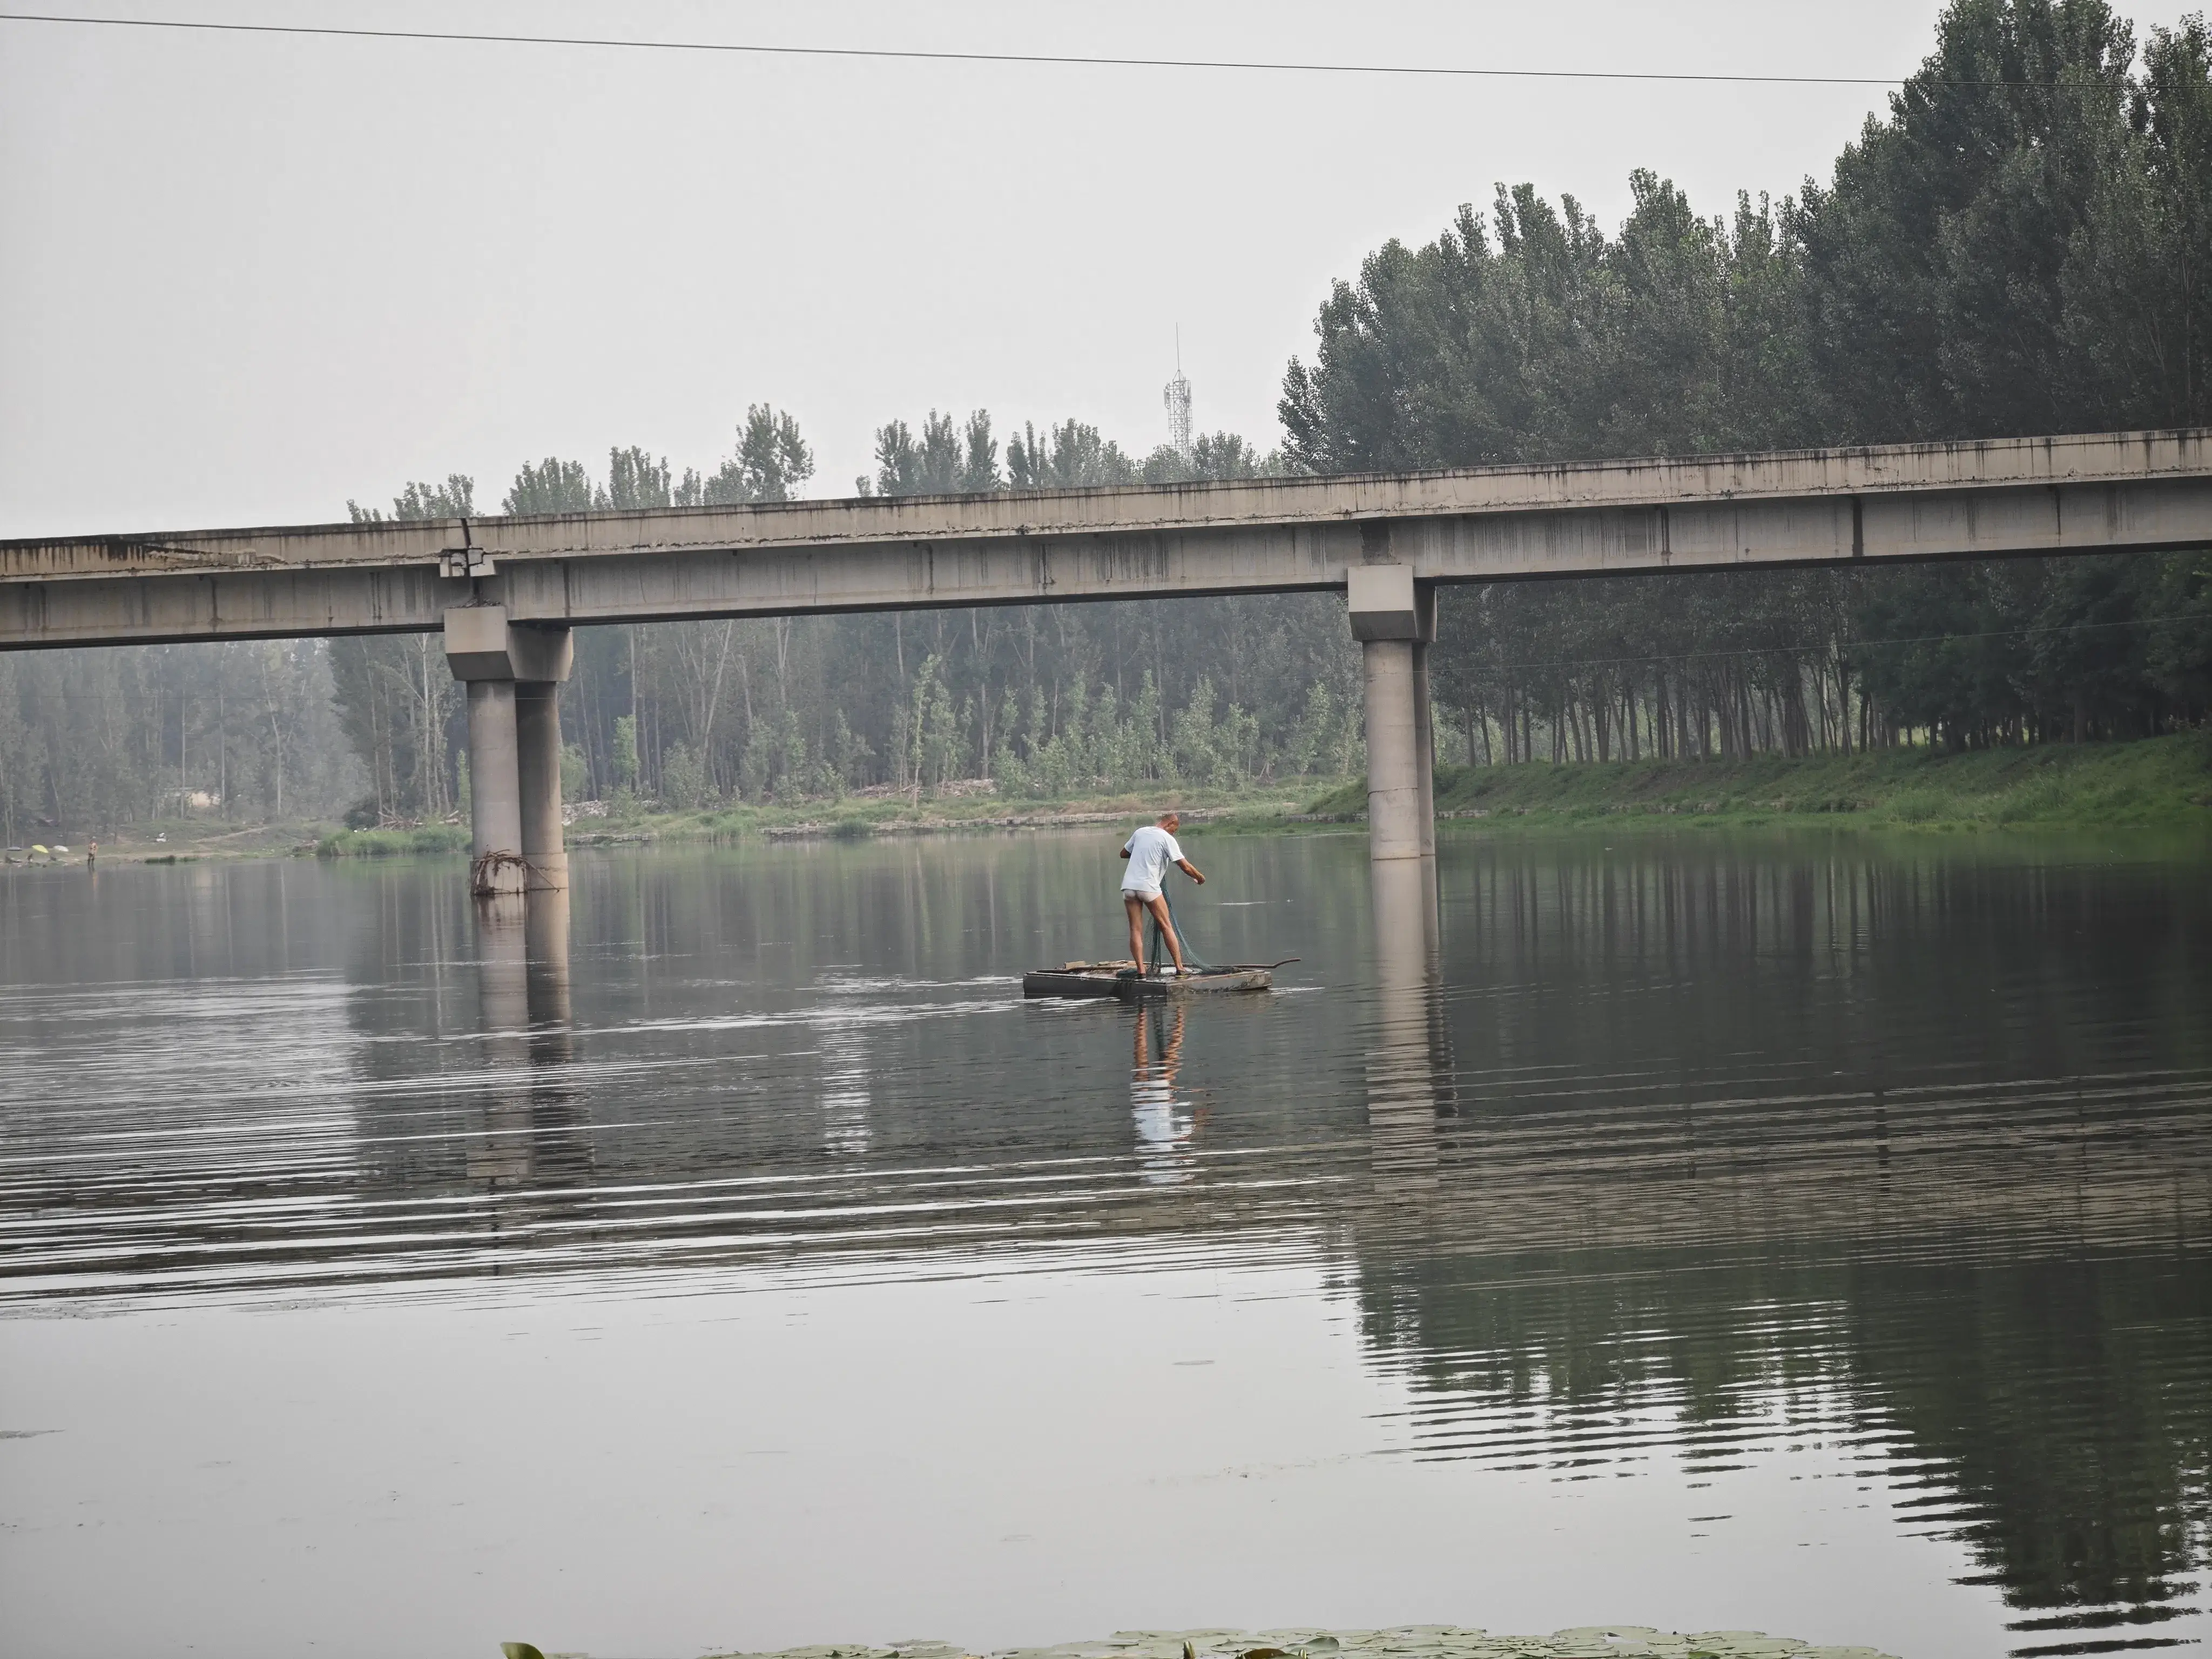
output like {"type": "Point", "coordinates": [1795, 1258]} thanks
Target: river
{"type": "Point", "coordinates": [1788, 1233]}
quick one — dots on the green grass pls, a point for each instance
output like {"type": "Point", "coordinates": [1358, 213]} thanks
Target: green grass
{"type": "Point", "coordinates": [430, 839]}
{"type": "Point", "coordinates": [855, 818]}
{"type": "Point", "coordinates": [852, 818]}
{"type": "Point", "coordinates": [184, 839]}
{"type": "Point", "coordinates": [2157, 782]}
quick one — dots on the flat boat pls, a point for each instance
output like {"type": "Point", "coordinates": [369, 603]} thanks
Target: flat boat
{"type": "Point", "coordinates": [1121, 979]}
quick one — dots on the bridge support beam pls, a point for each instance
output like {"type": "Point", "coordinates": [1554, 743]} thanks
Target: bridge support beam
{"type": "Point", "coordinates": [537, 739]}
{"type": "Point", "coordinates": [512, 672]}
{"type": "Point", "coordinates": [1394, 620]}
{"type": "Point", "coordinates": [495, 800]}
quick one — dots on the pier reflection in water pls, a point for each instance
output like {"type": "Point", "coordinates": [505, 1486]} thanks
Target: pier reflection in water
{"type": "Point", "coordinates": [1711, 1202]}
{"type": "Point", "coordinates": [534, 1133]}
{"type": "Point", "coordinates": [1409, 1067]}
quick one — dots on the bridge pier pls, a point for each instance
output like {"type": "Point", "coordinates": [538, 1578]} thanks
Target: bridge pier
{"type": "Point", "coordinates": [512, 672]}
{"type": "Point", "coordinates": [537, 744]}
{"type": "Point", "coordinates": [1394, 620]}
{"type": "Point", "coordinates": [495, 799]}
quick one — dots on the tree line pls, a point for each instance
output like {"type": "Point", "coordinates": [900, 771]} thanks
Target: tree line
{"type": "Point", "coordinates": [1041, 700]}
{"type": "Point", "coordinates": [91, 740]}
{"type": "Point", "coordinates": [2022, 244]}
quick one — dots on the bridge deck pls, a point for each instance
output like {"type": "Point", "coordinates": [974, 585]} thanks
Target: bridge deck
{"type": "Point", "coordinates": [2091, 493]}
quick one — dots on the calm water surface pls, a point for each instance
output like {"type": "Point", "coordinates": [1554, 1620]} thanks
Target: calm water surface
{"type": "Point", "coordinates": [1804, 1236]}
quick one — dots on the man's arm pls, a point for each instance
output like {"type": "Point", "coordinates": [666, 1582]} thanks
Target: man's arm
{"type": "Point", "coordinates": [1125, 852]}
{"type": "Point", "coordinates": [1190, 870]}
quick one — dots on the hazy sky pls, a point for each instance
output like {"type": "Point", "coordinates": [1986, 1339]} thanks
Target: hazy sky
{"type": "Point", "coordinates": [242, 279]}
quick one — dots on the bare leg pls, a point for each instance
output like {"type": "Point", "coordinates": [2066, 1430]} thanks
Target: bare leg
{"type": "Point", "coordinates": [1158, 906]}
{"type": "Point", "coordinates": [1135, 906]}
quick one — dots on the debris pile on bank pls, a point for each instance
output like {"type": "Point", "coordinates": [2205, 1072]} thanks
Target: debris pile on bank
{"type": "Point", "coordinates": [1405, 1642]}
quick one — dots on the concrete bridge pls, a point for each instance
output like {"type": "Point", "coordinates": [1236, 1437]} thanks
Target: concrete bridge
{"type": "Point", "coordinates": [506, 591]}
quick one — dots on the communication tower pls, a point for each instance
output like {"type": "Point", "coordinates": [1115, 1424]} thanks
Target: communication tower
{"type": "Point", "coordinates": [1177, 398]}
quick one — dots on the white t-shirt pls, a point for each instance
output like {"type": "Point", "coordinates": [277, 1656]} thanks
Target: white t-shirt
{"type": "Point", "coordinates": [1151, 850]}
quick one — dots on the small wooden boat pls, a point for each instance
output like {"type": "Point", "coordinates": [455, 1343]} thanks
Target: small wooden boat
{"type": "Point", "coordinates": [1077, 979]}
{"type": "Point", "coordinates": [1199, 982]}
{"type": "Point", "coordinates": [1121, 979]}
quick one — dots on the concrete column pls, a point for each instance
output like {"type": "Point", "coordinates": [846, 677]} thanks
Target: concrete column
{"type": "Point", "coordinates": [1393, 624]}
{"type": "Point", "coordinates": [514, 789]}
{"type": "Point", "coordinates": [1394, 769]}
{"type": "Point", "coordinates": [495, 796]}
{"type": "Point", "coordinates": [538, 737]}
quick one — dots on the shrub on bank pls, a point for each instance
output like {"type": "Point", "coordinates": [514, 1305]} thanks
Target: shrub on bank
{"type": "Point", "coordinates": [429, 839]}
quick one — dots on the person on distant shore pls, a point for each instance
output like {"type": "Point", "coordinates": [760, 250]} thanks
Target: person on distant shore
{"type": "Point", "coordinates": [1150, 851]}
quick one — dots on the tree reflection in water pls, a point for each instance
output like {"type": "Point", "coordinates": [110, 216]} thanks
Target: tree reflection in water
{"type": "Point", "coordinates": [1940, 1221]}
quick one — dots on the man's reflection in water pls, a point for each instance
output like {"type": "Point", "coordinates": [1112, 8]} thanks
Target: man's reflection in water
{"type": "Point", "coordinates": [846, 1104]}
{"type": "Point", "coordinates": [1409, 1071]}
{"type": "Point", "coordinates": [1165, 1124]}
{"type": "Point", "coordinates": [532, 1128]}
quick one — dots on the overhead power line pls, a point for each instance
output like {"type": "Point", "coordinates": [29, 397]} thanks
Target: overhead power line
{"type": "Point", "coordinates": [1080, 60]}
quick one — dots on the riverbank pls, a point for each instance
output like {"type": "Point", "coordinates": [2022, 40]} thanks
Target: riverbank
{"type": "Point", "coordinates": [2156, 783]}
{"type": "Point", "coordinates": [2153, 783]}
{"type": "Point", "coordinates": [175, 840]}
{"type": "Point", "coordinates": [853, 817]}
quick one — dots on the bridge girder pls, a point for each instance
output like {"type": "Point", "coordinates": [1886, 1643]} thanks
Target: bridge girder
{"type": "Point", "coordinates": [2089, 493]}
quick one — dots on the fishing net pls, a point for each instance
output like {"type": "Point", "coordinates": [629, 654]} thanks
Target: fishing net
{"type": "Point", "coordinates": [1160, 956]}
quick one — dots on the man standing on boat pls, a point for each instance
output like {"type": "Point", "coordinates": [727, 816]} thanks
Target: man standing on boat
{"type": "Point", "coordinates": [1150, 851]}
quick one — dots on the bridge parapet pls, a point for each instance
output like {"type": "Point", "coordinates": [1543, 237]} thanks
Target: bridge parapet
{"type": "Point", "coordinates": [1800, 492]}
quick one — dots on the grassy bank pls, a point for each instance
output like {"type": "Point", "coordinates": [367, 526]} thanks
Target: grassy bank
{"type": "Point", "coordinates": [187, 840]}
{"type": "Point", "coordinates": [859, 817]}
{"type": "Point", "coordinates": [853, 817]}
{"type": "Point", "coordinates": [429, 838]}
{"type": "Point", "coordinates": [2156, 783]}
